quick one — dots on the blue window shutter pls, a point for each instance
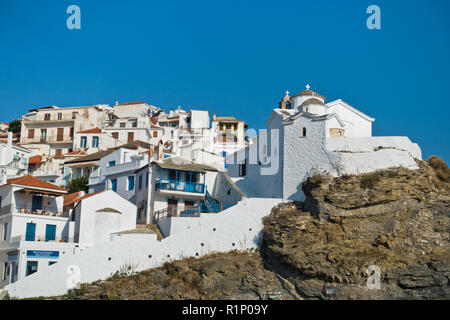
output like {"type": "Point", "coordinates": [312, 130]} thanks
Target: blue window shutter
{"type": "Point", "coordinates": [50, 232]}
{"type": "Point", "coordinates": [30, 232]}
{"type": "Point", "coordinates": [114, 185]}
{"type": "Point", "coordinates": [131, 183]}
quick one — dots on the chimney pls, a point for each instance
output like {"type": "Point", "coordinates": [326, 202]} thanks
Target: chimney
{"type": "Point", "coordinates": [117, 102]}
{"type": "Point", "coordinates": [214, 116]}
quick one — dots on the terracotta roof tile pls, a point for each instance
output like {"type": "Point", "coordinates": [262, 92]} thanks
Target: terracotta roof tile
{"type": "Point", "coordinates": [93, 130]}
{"type": "Point", "coordinates": [78, 199]}
{"type": "Point", "coordinates": [69, 198]}
{"type": "Point", "coordinates": [35, 159]}
{"type": "Point", "coordinates": [31, 181]}
{"type": "Point", "coordinates": [131, 103]}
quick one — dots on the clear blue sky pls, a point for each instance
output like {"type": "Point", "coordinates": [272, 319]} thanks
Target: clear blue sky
{"type": "Point", "coordinates": [234, 58]}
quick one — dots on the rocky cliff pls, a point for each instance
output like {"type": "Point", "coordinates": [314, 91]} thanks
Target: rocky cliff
{"type": "Point", "coordinates": [396, 219]}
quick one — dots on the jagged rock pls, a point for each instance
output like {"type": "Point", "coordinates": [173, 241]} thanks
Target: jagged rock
{"type": "Point", "coordinates": [397, 219]}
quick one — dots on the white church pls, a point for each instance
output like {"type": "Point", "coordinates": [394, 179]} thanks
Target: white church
{"type": "Point", "coordinates": [307, 136]}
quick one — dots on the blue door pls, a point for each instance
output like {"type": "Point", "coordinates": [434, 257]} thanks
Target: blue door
{"type": "Point", "coordinates": [114, 185]}
{"type": "Point", "coordinates": [50, 232]}
{"type": "Point", "coordinates": [31, 232]}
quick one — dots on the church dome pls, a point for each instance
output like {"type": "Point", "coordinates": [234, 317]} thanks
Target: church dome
{"type": "Point", "coordinates": [307, 95]}
{"type": "Point", "coordinates": [312, 101]}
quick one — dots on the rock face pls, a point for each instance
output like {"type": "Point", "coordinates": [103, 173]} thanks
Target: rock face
{"type": "Point", "coordinates": [235, 275]}
{"type": "Point", "coordinates": [396, 219]}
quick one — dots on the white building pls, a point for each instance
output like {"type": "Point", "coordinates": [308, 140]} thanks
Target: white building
{"type": "Point", "coordinates": [13, 158]}
{"type": "Point", "coordinates": [37, 232]}
{"type": "Point", "coordinates": [50, 131]}
{"type": "Point", "coordinates": [307, 136]}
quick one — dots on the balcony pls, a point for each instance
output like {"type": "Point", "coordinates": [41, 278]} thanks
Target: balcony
{"type": "Point", "coordinates": [49, 139]}
{"type": "Point", "coordinates": [39, 239]}
{"type": "Point", "coordinates": [41, 212]}
{"type": "Point", "coordinates": [174, 185]}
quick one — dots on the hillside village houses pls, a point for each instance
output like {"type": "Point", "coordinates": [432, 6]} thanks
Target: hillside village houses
{"type": "Point", "coordinates": [178, 169]}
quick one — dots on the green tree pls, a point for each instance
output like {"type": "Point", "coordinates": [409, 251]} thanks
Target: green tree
{"type": "Point", "coordinates": [78, 184]}
{"type": "Point", "coordinates": [15, 126]}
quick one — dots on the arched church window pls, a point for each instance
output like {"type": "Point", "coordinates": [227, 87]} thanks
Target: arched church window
{"type": "Point", "coordinates": [288, 105]}
{"type": "Point", "coordinates": [304, 132]}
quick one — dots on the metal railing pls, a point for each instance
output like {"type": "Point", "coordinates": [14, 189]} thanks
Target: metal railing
{"type": "Point", "coordinates": [174, 185]}
{"type": "Point", "coordinates": [47, 139]}
{"type": "Point", "coordinates": [38, 238]}
{"type": "Point", "coordinates": [164, 214]}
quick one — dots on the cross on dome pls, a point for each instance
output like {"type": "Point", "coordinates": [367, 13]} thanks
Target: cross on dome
{"type": "Point", "coordinates": [287, 92]}
{"type": "Point", "coordinates": [308, 86]}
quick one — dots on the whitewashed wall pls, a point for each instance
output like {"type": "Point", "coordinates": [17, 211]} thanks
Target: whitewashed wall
{"type": "Point", "coordinates": [94, 224]}
{"type": "Point", "coordinates": [238, 228]}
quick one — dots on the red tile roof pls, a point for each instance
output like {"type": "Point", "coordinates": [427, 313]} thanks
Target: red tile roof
{"type": "Point", "coordinates": [76, 152]}
{"type": "Point", "coordinates": [131, 103]}
{"type": "Point", "coordinates": [30, 181]}
{"type": "Point", "coordinates": [76, 199]}
{"type": "Point", "coordinates": [69, 198]}
{"type": "Point", "coordinates": [93, 130]}
{"type": "Point", "coordinates": [84, 165]}
{"type": "Point", "coordinates": [35, 159]}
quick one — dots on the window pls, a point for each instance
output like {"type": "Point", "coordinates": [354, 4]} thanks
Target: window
{"type": "Point", "coordinates": [224, 154]}
{"type": "Point", "coordinates": [50, 263]}
{"type": "Point", "coordinates": [58, 152]}
{"type": "Point", "coordinates": [140, 182]}
{"type": "Point", "coordinates": [95, 142]}
{"type": "Point", "coordinates": [31, 134]}
{"type": "Point", "coordinates": [50, 232]}
{"type": "Point", "coordinates": [243, 168]}
{"type": "Point", "coordinates": [173, 175]}
{"type": "Point", "coordinates": [47, 116]}
{"type": "Point", "coordinates": [74, 114]}
{"type": "Point", "coordinates": [122, 124]}
{"type": "Point", "coordinates": [43, 134]}
{"type": "Point", "coordinates": [288, 105]}
{"type": "Point", "coordinates": [155, 134]}
{"type": "Point", "coordinates": [111, 163]}
{"type": "Point", "coordinates": [115, 135]}
{"type": "Point", "coordinates": [59, 116]}
{"type": "Point", "coordinates": [30, 232]}
{"type": "Point", "coordinates": [32, 267]}
{"type": "Point", "coordinates": [146, 179]}
{"type": "Point", "coordinates": [130, 183]}
{"type": "Point", "coordinates": [304, 132]}
{"type": "Point", "coordinates": [134, 124]}
{"type": "Point", "coordinates": [36, 203]}
{"type": "Point", "coordinates": [83, 142]}
{"type": "Point", "coordinates": [5, 231]}
{"type": "Point", "coordinates": [114, 185]}
{"type": "Point", "coordinates": [130, 137]}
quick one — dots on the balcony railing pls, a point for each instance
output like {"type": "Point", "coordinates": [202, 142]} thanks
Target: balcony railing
{"type": "Point", "coordinates": [49, 139]}
{"type": "Point", "coordinates": [174, 185]}
{"type": "Point", "coordinates": [39, 212]}
{"type": "Point", "coordinates": [38, 238]}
